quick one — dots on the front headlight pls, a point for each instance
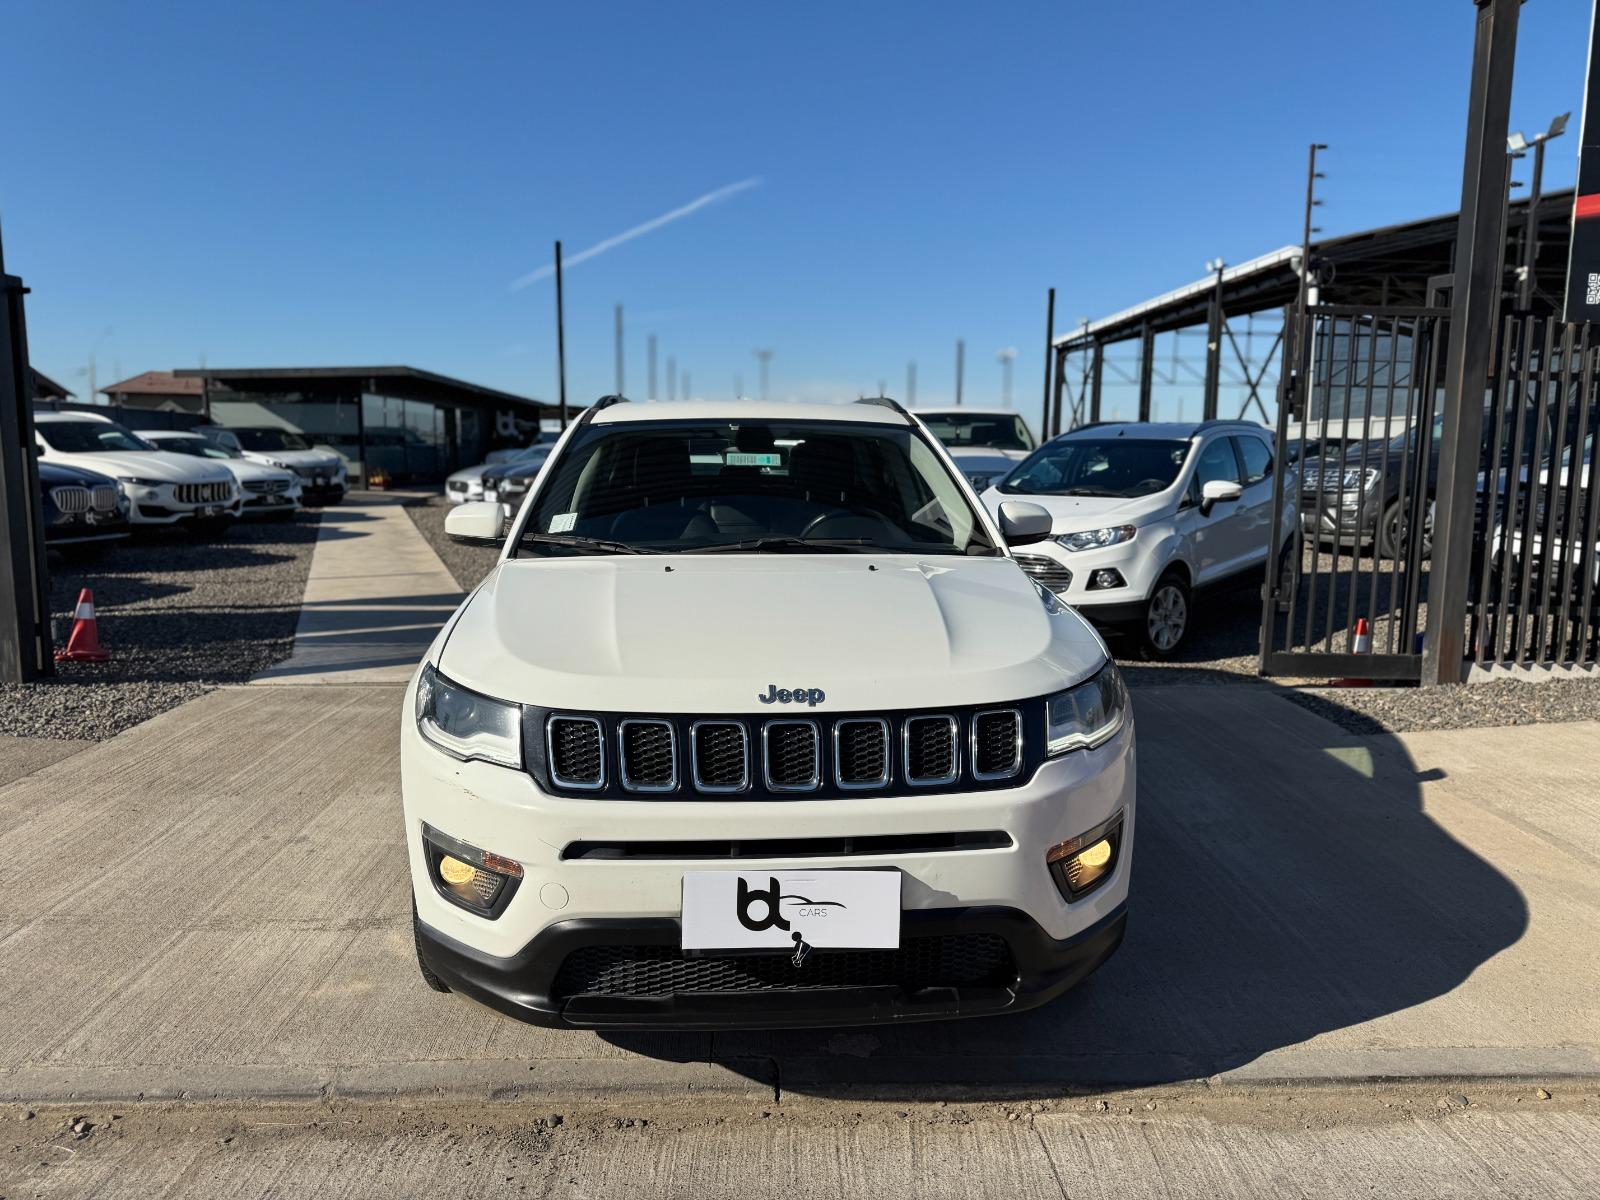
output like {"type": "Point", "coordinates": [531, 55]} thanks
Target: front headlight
{"type": "Point", "coordinates": [1357, 480]}
{"type": "Point", "coordinates": [466, 725]}
{"type": "Point", "coordinates": [136, 481]}
{"type": "Point", "coordinates": [1087, 715]}
{"type": "Point", "coordinates": [1095, 539]}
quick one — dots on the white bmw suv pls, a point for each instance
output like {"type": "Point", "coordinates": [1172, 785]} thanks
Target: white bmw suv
{"type": "Point", "coordinates": [1147, 514]}
{"type": "Point", "coordinates": [758, 723]}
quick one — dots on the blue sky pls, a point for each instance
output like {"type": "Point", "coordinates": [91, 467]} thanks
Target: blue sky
{"type": "Point", "coordinates": [297, 184]}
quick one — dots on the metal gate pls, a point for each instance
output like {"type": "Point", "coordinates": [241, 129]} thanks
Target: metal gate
{"type": "Point", "coordinates": [1356, 436]}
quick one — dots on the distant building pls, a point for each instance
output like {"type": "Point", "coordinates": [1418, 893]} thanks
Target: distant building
{"type": "Point", "coordinates": [160, 391]}
{"type": "Point", "coordinates": [47, 390]}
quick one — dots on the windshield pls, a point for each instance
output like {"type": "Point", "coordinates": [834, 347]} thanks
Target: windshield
{"type": "Point", "coordinates": [959, 430]}
{"type": "Point", "coordinates": [271, 439]}
{"type": "Point", "coordinates": [1099, 467]}
{"type": "Point", "coordinates": [194, 448]}
{"type": "Point", "coordinates": [89, 437]}
{"type": "Point", "coordinates": [759, 485]}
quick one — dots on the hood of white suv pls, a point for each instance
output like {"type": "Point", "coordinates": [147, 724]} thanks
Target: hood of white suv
{"type": "Point", "coordinates": [315, 460]}
{"type": "Point", "coordinates": [1070, 514]}
{"type": "Point", "coordinates": [147, 464]}
{"type": "Point", "coordinates": [711, 633]}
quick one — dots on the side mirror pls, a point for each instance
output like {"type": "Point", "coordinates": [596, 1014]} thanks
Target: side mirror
{"type": "Point", "coordinates": [1216, 491]}
{"type": "Point", "coordinates": [1022, 523]}
{"type": "Point", "coordinates": [476, 523]}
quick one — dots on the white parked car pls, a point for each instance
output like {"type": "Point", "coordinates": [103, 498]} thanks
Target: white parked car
{"type": "Point", "coordinates": [268, 491]}
{"type": "Point", "coordinates": [321, 470]}
{"type": "Point", "coordinates": [998, 430]}
{"type": "Point", "coordinates": [162, 488]}
{"type": "Point", "coordinates": [757, 723]}
{"type": "Point", "coordinates": [468, 483]}
{"type": "Point", "coordinates": [1144, 515]}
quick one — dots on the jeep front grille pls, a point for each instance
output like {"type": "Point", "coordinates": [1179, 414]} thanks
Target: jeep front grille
{"type": "Point", "coordinates": [577, 752]}
{"type": "Point", "coordinates": [997, 743]}
{"type": "Point", "coordinates": [930, 750]}
{"type": "Point", "coordinates": [1046, 570]}
{"type": "Point", "coordinates": [649, 756]}
{"type": "Point", "coordinates": [793, 755]}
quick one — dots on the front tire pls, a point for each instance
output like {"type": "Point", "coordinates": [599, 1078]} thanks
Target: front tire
{"type": "Point", "coordinates": [428, 977]}
{"type": "Point", "coordinates": [1167, 613]}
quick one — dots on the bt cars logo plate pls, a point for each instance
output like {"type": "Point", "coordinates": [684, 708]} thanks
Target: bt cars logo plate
{"type": "Point", "coordinates": [811, 697]}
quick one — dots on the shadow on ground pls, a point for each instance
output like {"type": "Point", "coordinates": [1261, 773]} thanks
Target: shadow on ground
{"type": "Point", "coordinates": [1287, 886]}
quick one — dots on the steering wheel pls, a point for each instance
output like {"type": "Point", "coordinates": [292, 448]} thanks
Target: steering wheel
{"type": "Point", "coordinates": [1155, 485]}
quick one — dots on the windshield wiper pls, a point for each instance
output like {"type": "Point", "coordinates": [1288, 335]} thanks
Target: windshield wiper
{"type": "Point", "coordinates": [784, 542]}
{"type": "Point", "coordinates": [597, 545]}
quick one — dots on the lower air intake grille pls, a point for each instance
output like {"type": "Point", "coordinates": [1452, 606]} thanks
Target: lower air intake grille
{"type": "Point", "coordinates": [1046, 570]}
{"type": "Point", "coordinates": [721, 756]}
{"type": "Point", "coordinates": [649, 763]}
{"type": "Point", "coordinates": [792, 756]}
{"type": "Point", "coordinates": [930, 750]}
{"type": "Point", "coordinates": [576, 756]}
{"type": "Point", "coordinates": [997, 743]}
{"type": "Point", "coordinates": [967, 960]}
{"type": "Point", "coordinates": [861, 753]}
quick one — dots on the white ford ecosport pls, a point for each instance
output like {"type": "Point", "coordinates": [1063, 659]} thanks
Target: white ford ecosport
{"type": "Point", "coordinates": [757, 723]}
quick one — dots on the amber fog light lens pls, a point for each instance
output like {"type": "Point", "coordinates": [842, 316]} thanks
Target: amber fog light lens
{"type": "Point", "coordinates": [1083, 863]}
{"type": "Point", "coordinates": [474, 879]}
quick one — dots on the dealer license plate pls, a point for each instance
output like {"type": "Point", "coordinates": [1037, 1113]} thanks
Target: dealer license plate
{"type": "Point", "coordinates": [775, 910]}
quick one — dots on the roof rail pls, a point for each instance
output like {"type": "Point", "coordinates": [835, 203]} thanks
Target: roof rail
{"type": "Point", "coordinates": [1223, 422]}
{"type": "Point", "coordinates": [885, 402]}
{"type": "Point", "coordinates": [604, 402]}
{"type": "Point", "coordinates": [1088, 425]}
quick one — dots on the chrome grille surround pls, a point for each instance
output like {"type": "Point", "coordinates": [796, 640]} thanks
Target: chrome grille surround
{"type": "Point", "coordinates": [707, 758]}
{"type": "Point", "coordinates": [1054, 575]}
{"type": "Point", "coordinates": [551, 733]}
{"type": "Point", "coordinates": [70, 498]}
{"type": "Point", "coordinates": [792, 750]}
{"type": "Point", "coordinates": [641, 751]}
{"type": "Point", "coordinates": [986, 743]}
{"type": "Point", "coordinates": [267, 487]}
{"type": "Point", "coordinates": [106, 496]}
{"type": "Point", "coordinates": [921, 741]}
{"type": "Point", "coordinates": [859, 778]}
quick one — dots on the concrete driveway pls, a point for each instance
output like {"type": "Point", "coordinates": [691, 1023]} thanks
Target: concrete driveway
{"type": "Point", "coordinates": [216, 904]}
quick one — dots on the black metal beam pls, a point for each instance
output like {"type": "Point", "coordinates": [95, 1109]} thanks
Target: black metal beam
{"type": "Point", "coordinates": [1147, 356]}
{"type": "Point", "coordinates": [1096, 373]}
{"type": "Point", "coordinates": [1474, 304]}
{"type": "Point", "coordinates": [1052, 361]}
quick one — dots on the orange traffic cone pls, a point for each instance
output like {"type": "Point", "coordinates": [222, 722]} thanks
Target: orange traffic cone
{"type": "Point", "coordinates": [84, 643]}
{"type": "Point", "coordinates": [1360, 643]}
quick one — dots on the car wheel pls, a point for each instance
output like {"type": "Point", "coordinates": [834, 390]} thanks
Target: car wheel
{"type": "Point", "coordinates": [1291, 556]}
{"type": "Point", "coordinates": [428, 977]}
{"type": "Point", "coordinates": [1166, 617]}
{"type": "Point", "coordinates": [1392, 533]}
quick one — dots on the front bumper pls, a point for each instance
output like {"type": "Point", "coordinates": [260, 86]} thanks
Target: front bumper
{"type": "Point", "coordinates": [321, 493]}
{"type": "Point", "coordinates": [509, 961]}
{"type": "Point", "coordinates": [77, 529]}
{"type": "Point", "coordinates": [168, 511]}
{"type": "Point", "coordinates": [525, 985]}
{"type": "Point", "coordinates": [1346, 524]}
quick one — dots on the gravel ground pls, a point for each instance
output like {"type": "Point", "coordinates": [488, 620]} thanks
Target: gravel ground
{"type": "Point", "coordinates": [468, 564]}
{"type": "Point", "coordinates": [1223, 650]}
{"type": "Point", "coordinates": [178, 615]}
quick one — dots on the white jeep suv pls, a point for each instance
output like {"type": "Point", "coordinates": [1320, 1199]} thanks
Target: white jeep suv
{"type": "Point", "coordinates": [758, 723]}
{"type": "Point", "coordinates": [1147, 514]}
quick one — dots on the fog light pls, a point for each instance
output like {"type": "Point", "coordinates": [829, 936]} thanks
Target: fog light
{"type": "Point", "coordinates": [1083, 863]}
{"type": "Point", "coordinates": [1106, 577]}
{"type": "Point", "coordinates": [473, 879]}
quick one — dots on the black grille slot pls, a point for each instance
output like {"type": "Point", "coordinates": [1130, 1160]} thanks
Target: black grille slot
{"type": "Point", "coordinates": [790, 848]}
{"type": "Point", "coordinates": [861, 753]}
{"type": "Point", "coordinates": [721, 756]}
{"type": "Point", "coordinates": [792, 756]}
{"type": "Point", "coordinates": [1046, 570]}
{"type": "Point", "coordinates": [930, 749]}
{"type": "Point", "coordinates": [649, 763]}
{"type": "Point", "coordinates": [966, 960]}
{"type": "Point", "coordinates": [577, 757]}
{"type": "Point", "coordinates": [996, 744]}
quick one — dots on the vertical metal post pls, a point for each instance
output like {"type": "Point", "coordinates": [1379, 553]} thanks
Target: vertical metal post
{"type": "Point", "coordinates": [1474, 303]}
{"type": "Point", "coordinates": [1214, 347]}
{"type": "Point", "coordinates": [961, 350]}
{"type": "Point", "coordinates": [911, 384]}
{"type": "Point", "coordinates": [650, 358]}
{"type": "Point", "coordinates": [764, 357]}
{"type": "Point", "coordinates": [1530, 240]}
{"type": "Point", "coordinates": [1147, 366]}
{"type": "Point", "coordinates": [1061, 386]}
{"type": "Point", "coordinates": [1097, 372]}
{"type": "Point", "coordinates": [561, 340]}
{"type": "Point", "coordinates": [672, 378]}
{"type": "Point", "coordinates": [1051, 360]}
{"type": "Point", "coordinates": [620, 390]}
{"type": "Point", "coordinates": [25, 643]}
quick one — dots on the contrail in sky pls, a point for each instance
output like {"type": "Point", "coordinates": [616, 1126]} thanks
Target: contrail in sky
{"type": "Point", "coordinates": [627, 235]}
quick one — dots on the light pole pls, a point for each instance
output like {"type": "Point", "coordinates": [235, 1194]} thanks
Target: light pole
{"type": "Point", "coordinates": [1518, 146]}
{"type": "Point", "coordinates": [961, 355]}
{"type": "Point", "coordinates": [1005, 358]}
{"type": "Point", "coordinates": [561, 341]}
{"type": "Point", "coordinates": [763, 357]}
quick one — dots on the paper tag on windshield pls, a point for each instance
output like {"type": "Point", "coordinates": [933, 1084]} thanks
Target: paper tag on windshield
{"type": "Point", "coordinates": [743, 458]}
{"type": "Point", "coordinates": [563, 522]}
